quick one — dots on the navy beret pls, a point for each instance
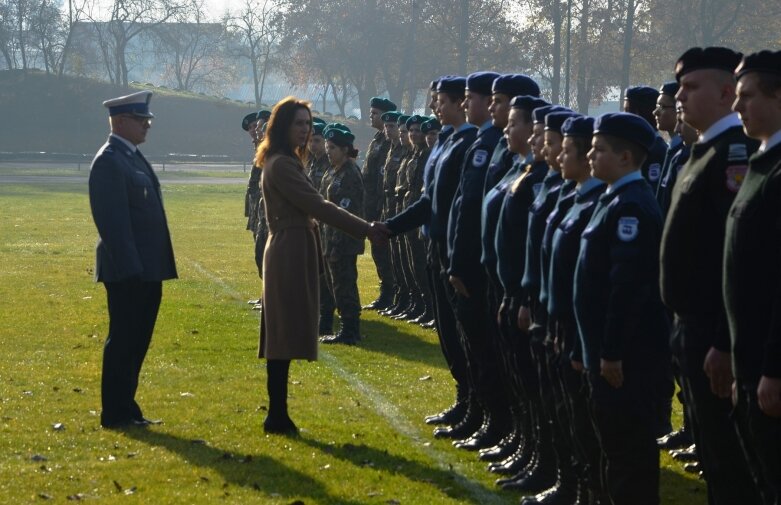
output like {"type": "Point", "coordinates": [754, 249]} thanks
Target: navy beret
{"type": "Point", "coordinates": [382, 104]}
{"type": "Point", "coordinates": [416, 119]}
{"type": "Point", "coordinates": [554, 120]}
{"type": "Point", "coordinates": [264, 114]}
{"type": "Point", "coordinates": [578, 126]}
{"type": "Point", "coordinates": [768, 62]}
{"type": "Point", "coordinates": [339, 134]}
{"type": "Point", "coordinates": [642, 95]}
{"type": "Point", "coordinates": [527, 102]}
{"type": "Point", "coordinates": [390, 116]}
{"type": "Point", "coordinates": [538, 114]}
{"type": "Point", "coordinates": [249, 118]}
{"type": "Point", "coordinates": [669, 88]}
{"type": "Point", "coordinates": [481, 82]}
{"type": "Point", "coordinates": [402, 120]}
{"type": "Point", "coordinates": [626, 126]}
{"type": "Point", "coordinates": [430, 125]}
{"type": "Point", "coordinates": [698, 58]}
{"type": "Point", "coordinates": [451, 84]}
{"type": "Point", "coordinates": [433, 85]}
{"type": "Point", "coordinates": [515, 85]}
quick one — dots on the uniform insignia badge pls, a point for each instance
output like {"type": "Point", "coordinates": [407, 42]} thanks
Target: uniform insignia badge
{"type": "Point", "coordinates": [536, 188]}
{"type": "Point", "coordinates": [479, 158]}
{"type": "Point", "coordinates": [628, 228]}
{"type": "Point", "coordinates": [344, 203]}
{"type": "Point", "coordinates": [735, 176]}
{"type": "Point", "coordinates": [654, 171]}
{"type": "Point", "coordinates": [737, 152]}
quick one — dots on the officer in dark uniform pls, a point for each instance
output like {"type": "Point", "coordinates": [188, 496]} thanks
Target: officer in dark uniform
{"type": "Point", "coordinates": [752, 274]}
{"type": "Point", "coordinates": [667, 121]}
{"type": "Point", "coordinates": [476, 325]}
{"type": "Point", "coordinates": [318, 163]}
{"type": "Point", "coordinates": [376, 155]}
{"type": "Point", "coordinates": [133, 255]}
{"type": "Point", "coordinates": [433, 209]}
{"type": "Point", "coordinates": [621, 320]}
{"type": "Point", "coordinates": [641, 101]}
{"type": "Point", "coordinates": [340, 250]}
{"type": "Point", "coordinates": [691, 271]}
{"type": "Point", "coordinates": [688, 137]}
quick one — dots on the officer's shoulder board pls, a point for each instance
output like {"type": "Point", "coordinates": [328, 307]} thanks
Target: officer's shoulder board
{"type": "Point", "coordinates": [737, 166]}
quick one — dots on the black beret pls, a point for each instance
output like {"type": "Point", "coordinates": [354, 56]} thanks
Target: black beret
{"type": "Point", "coordinates": [626, 126]}
{"type": "Point", "coordinates": [527, 102]}
{"type": "Point", "coordinates": [554, 120]}
{"type": "Point", "coordinates": [515, 85]}
{"type": "Point", "coordinates": [539, 113]}
{"type": "Point", "coordinates": [669, 88]}
{"type": "Point", "coordinates": [578, 126]}
{"type": "Point", "coordinates": [452, 84]}
{"type": "Point", "coordinates": [416, 119]}
{"type": "Point", "coordinates": [481, 82]}
{"type": "Point", "coordinates": [382, 104]}
{"type": "Point", "coordinates": [433, 85]}
{"type": "Point", "coordinates": [264, 114]}
{"type": "Point", "coordinates": [249, 118]}
{"type": "Point", "coordinates": [768, 62]}
{"type": "Point", "coordinates": [430, 125]}
{"type": "Point", "coordinates": [642, 95]}
{"type": "Point", "coordinates": [698, 58]}
{"type": "Point", "coordinates": [402, 120]}
{"type": "Point", "coordinates": [339, 135]}
{"type": "Point", "coordinates": [391, 116]}
{"type": "Point", "coordinates": [318, 127]}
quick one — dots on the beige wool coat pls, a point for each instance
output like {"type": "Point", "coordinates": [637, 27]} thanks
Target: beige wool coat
{"type": "Point", "coordinates": [292, 258]}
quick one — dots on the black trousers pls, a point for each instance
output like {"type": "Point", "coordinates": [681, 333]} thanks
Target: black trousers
{"type": "Point", "coordinates": [725, 468]}
{"type": "Point", "coordinates": [760, 436]}
{"type": "Point", "coordinates": [625, 422]}
{"type": "Point", "coordinates": [132, 311]}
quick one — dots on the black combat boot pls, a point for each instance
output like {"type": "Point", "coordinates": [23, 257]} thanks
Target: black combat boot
{"type": "Point", "coordinates": [326, 326]}
{"type": "Point", "coordinates": [349, 333]}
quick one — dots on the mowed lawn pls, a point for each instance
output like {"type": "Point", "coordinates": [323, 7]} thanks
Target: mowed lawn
{"type": "Point", "coordinates": [360, 408]}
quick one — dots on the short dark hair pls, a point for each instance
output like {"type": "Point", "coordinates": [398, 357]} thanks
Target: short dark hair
{"type": "Point", "coordinates": [582, 145]}
{"type": "Point", "coordinates": [617, 144]}
{"type": "Point", "coordinates": [453, 97]}
{"type": "Point", "coordinates": [277, 139]}
{"type": "Point", "coordinates": [768, 83]}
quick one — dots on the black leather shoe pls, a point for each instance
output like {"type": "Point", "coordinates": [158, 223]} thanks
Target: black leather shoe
{"type": "Point", "coordinates": [143, 421]}
{"type": "Point", "coordinates": [470, 424]}
{"type": "Point", "coordinates": [486, 436]}
{"type": "Point", "coordinates": [284, 426]}
{"type": "Point", "coordinates": [506, 446]}
{"type": "Point", "coordinates": [693, 467]}
{"type": "Point", "coordinates": [339, 338]}
{"type": "Point", "coordinates": [429, 325]}
{"type": "Point", "coordinates": [540, 478]}
{"type": "Point", "coordinates": [686, 455]}
{"type": "Point", "coordinates": [675, 440]}
{"type": "Point", "coordinates": [452, 415]}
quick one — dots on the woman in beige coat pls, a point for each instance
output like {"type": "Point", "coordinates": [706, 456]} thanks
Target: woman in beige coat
{"type": "Point", "coordinates": [292, 259]}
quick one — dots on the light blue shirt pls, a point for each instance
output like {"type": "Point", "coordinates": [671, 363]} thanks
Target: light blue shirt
{"type": "Point", "coordinates": [588, 185]}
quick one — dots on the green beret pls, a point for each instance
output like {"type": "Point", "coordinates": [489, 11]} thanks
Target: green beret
{"type": "Point", "coordinates": [430, 125]}
{"type": "Point", "coordinates": [264, 114]}
{"type": "Point", "coordinates": [402, 121]}
{"type": "Point", "coordinates": [391, 117]}
{"type": "Point", "coordinates": [382, 104]}
{"type": "Point", "coordinates": [416, 119]}
{"type": "Point", "coordinates": [318, 127]}
{"type": "Point", "coordinates": [339, 136]}
{"type": "Point", "coordinates": [248, 119]}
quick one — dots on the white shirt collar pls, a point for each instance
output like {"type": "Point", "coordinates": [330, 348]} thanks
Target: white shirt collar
{"type": "Point", "coordinates": [720, 126]}
{"type": "Point", "coordinates": [125, 141]}
{"type": "Point", "coordinates": [772, 142]}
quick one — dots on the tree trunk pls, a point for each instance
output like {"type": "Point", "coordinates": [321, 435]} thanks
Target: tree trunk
{"type": "Point", "coordinates": [626, 60]}
{"type": "Point", "coordinates": [463, 38]}
{"type": "Point", "coordinates": [255, 80]}
{"type": "Point", "coordinates": [556, 75]}
{"type": "Point", "coordinates": [20, 26]}
{"type": "Point", "coordinates": [266, 57]}
{"type": "Point", "coordinates": [584, 97]}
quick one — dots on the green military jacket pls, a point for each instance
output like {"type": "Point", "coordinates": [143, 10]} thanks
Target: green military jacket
{"type": "Point", "coordinates": [396, 155]}
{"type": "Point", "coordinates": [316, 169]}
{"type": "Point", "coordinates": [345, 189]}
{"type": "Point", "coordinates": [415, 169]}
{"type": "Point", "coordinates": [372, 175]}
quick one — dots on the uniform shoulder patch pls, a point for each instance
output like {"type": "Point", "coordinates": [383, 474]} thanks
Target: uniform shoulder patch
{"type": "Point", "coordinates": [654, 171]}
{"type": "Point", "coordinates": [344, 203]}
{"type": "Point", "coordinates": [628, 228]}
{"type": "Point", "coordinates": [479, 157]}
{"type": "Point", "coordinates": [735, 175]}
{"type": "Point", "coordinates": [737, 152]}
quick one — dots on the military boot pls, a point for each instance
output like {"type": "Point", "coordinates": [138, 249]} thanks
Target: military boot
{"type": "Point", "coordinates": [326, 325]}
{"type": "Point", "coordinates": [349, 333]}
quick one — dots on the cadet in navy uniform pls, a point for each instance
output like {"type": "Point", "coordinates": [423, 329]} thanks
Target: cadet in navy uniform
{"type": "Point", "coordinates": [134, 254]}
{"type": "Point", "coordinates": [641, 101]}
{"type": "Point", "coordinates": [564, 248]}
{"type": "Point", "coordinates": [688, 137]}
{"type": "Point", "coordinates": [466, 275]}
{"type": "Point", "coordinates": [621, 320]}
{"type": "Point", "coordinates": [376, 155]}
{"type": "Point", "coordinates": [666, 117]}
{"type": "Point", "coordinates": [433, 209]}
{"type": "Point", "coordinates": [752, 274]}
{"type": "Point", "coordinates": [691, 265]}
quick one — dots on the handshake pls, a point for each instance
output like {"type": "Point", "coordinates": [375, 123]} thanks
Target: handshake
{"type": "Point", "coordinates": [378, 233]}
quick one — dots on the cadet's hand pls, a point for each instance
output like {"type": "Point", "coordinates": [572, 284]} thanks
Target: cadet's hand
{"type": "Point", "coordinates": [458, 285]}
{"type": "Point", "coordinates": [577, 365]}
{"type": "Point", "coordinates": [718, 368]}
{"type": "Point", "coordinates": [378, 233]}
{"type": "Point", "coordinates": [769, 396]}
{"type": "Point", "coordinates": [524, 318]}
{"type": "Point", "coordinates": [613, 372]}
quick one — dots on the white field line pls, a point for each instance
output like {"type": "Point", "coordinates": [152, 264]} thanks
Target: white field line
{"type": "Point", "coordinates": [383, 408]}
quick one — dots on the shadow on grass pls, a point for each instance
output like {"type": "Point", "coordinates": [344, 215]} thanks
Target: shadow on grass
{"type": "Point", "coordinates": [388, 338]}
{"type": "Point", "coordinates": [362, 455]}
{"type": "Point", "coordinates": [677, 488]}
{"type": "Point", "coordinates": [259, 472]}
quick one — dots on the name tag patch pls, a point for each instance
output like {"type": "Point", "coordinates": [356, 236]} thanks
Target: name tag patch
{"type": "Point", "coordinates": [628, 228]}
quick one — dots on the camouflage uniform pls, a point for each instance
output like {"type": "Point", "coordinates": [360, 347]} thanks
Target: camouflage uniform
{"type": "Point", "coordinates": [327, 302]}
{"type": "Point", "coordinates": [345, 189]}
{"type": "Point", "coordinates": [316, 169]}
{"type": "Point", "coordinates": [252, 199]}
{"type": "Point", "coordinates": [372, 182]}
{"type": "Point", "coordinates": [416, 247]}
{"type": "Point", "coordinates": [415, 306]}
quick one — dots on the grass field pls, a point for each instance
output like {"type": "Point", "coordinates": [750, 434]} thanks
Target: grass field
{"type": "Point", "coordinates": [360, 408]}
